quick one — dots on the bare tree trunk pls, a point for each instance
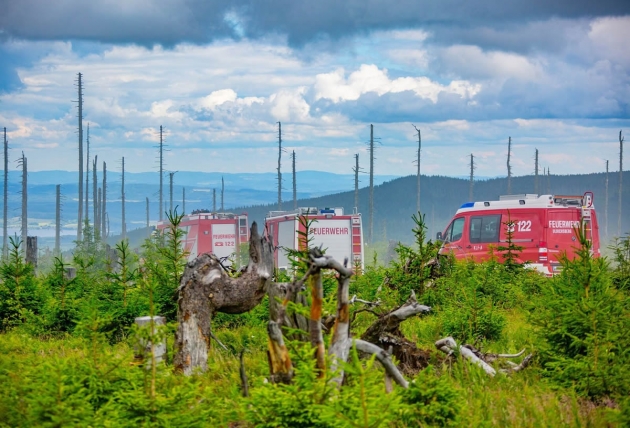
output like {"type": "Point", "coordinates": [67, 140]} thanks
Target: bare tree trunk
{"type": "Point", "coordinates": [23, 163]}
{"type": "Point", "coordinates": [87, 176]}
{"type": "Point", "coordinates": [472, 177]}
{"type": "Point", "coordinates": [621, 139]}
{"type": "Point", "coordinates": [356, 182]}
{"type": "Point", "coordinates": [222, 193]}
{"type": "Point", "coordinates": [147, 214]}
{"type": "Point", "coordinates": [58, 220]}
{"type": "Point", "coordinates": [548, 182]}
{"type": "Point", "coordinates": [161, 175]}
{"type": "Point", "coordinates": [371, 184]}
{"type": "Point", "coordinates": [95, 199]}
{"type": "Point", "coordinates": [279, 163]}
{"type": "Point", "coordinates": [536, 187]}
{"type": "Point", "coordinates": [80, 116]}
{"type": "Point", "coordinates": [5, 248]}
{"type": "Point", "coordinates": [509, 167]}
{"type": "Point", "coordinates": [606, 205]}
{"type": "Point", "coordinates": [294, 181]}
{"type": "Point", "coordinates": [122, 193]}
{"type": "Point", "coordinates": [206, 289]}
{"type": "Point", "coordinates": [214, 200]}
{"type": "Point", "coordinates": [31, 250]}
{"type": "Point", "coordinates": [315, 321]}
{"type": "Point", "coordinates": [99, 210]}
{"type": "Point", "coordinates": [104, 225]}
{"type": "Point", "coordinates": [418, 172]}
{"type": "Point", "coordinates": [170, 191]}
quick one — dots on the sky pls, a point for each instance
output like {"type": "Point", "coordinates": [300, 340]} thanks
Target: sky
{"type": "Point", "coordinates": [219, 76]}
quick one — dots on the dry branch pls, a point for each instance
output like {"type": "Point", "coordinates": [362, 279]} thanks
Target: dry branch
{"type": "Point", "coordinates": [448, 346]}
{"type": "Point", "coordinates": [384, 358]}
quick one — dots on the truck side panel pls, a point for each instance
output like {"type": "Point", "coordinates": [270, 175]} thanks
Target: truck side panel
{"type": "Point", "coordinates": [559, 231]}
{"type": "Point", "coordinates": [527, 230]}
{"type": "Point", "coordinates": [286, 239]}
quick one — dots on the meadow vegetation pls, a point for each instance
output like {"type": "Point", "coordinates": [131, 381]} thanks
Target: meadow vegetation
{"type": "Point", "coordinates": [70, 353]}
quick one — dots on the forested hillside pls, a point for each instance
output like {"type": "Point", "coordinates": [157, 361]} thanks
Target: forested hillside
{"type": "Point", "coordinates": [395, 200]}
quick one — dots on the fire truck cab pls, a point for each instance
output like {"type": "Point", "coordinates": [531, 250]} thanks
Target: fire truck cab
{"type": "Point", "coordinates": [542, 225]}
{"type": "Point", "coordinates": [339, 234]}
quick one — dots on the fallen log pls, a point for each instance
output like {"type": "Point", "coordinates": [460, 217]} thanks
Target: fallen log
{"type": "Point", "coordinates": [448, 345]}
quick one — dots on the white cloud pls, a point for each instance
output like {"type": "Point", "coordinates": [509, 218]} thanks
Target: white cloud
{"type": "Point", "coordinates": [290, 106]}
{"type": "Point", "coordinates": [610, 37]}
{"type": "Point", "coordinates": [472, 61]}
{"type": "Point", "coordinates": [369, 78]}
{"type": "Point", "coordinates": [217, 98]}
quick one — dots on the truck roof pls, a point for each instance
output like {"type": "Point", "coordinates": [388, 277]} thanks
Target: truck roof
{"type": "Point", "coordinates": [525, 201]}
{"type": "Point", "coordinates": [301, 211]}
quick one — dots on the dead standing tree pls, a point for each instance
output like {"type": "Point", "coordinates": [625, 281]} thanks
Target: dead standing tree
{"type": "Point", "coordinates": [206, 288]}
{"type": "Point", "coordinates": [279, 164]}
{"type": "Point", "coordinates": [294, 180]}
{"type": "Point", "coordinates": [23, 163]}
{"type": "Point", "coordinates": [472, 177]}
{"type": "Point", "coordinates": [5, 248]}
{"type": "Point", "coordinates": [418, 172]}
{"type": "Point", "coordinates": [104, 228]}
{"type": "Point", "coordinates": [80, 117]}
{"type": "Point", "coordinates": [356, 169]}
{"type": "Point", "coordinates": [621, 139]}
{"type": "Point", "coordinates": [509, 167]}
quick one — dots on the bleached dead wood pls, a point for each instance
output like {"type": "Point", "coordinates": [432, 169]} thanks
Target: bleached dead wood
{"type": "Point", "coordinates": [340, 343]}
{"type": "Point", "coordinates": [448, 346]}
{"type": "Point", "coordinates": [205, 288]}
{"type": "Point", "coordinates": [384, 358]}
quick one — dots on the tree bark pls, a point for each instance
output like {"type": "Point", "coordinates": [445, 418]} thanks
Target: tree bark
{"type": "Point", "coordinates": [205, 289]}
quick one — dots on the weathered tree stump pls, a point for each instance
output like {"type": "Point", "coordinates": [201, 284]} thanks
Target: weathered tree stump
{"type": "Point", "coordinates": [205, 289]}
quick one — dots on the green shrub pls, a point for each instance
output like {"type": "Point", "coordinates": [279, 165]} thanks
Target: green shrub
{"type": "Point", "coordinates": [583, 321]}
{"type": "Point", "coordinates": [430, 400]}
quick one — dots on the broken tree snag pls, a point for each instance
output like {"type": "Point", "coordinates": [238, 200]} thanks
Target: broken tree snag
{"type": "Point", "coordinates": [205, 289]}
{"type": "Point", "coordinates": [315, 321]}
{"type": "Point", "coordinates": [340, 342]}
{"type": "Point", "coordinates": [280, 294]}
{"type": "Point", "coordinates": [280, 368]}
{"type": "Point", "coordinates": [384, 358]}
{"type": "Point", "coordinates": [385, 331]}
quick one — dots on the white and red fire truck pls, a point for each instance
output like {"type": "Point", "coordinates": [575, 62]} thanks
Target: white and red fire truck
{"type": "Point", "coordinates": [341, 236]}
{"type": "Point", "coordinates": [217, 233]}
{"type": "Point", "coordinates": [542, 225]}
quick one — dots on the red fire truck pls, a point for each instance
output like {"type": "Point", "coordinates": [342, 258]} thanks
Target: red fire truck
{"type": "Point", "coordinates": [542, 225]}
{"type": "Point", "coordinates": [217, 233]}
{"type": "Point", "coordinates": [341, 236]}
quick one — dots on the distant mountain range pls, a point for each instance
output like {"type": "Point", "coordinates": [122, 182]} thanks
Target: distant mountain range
{"type": "Point", "coordinates": [256, 194]}
{"type": "Point", "coordinates": [240, 189]}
